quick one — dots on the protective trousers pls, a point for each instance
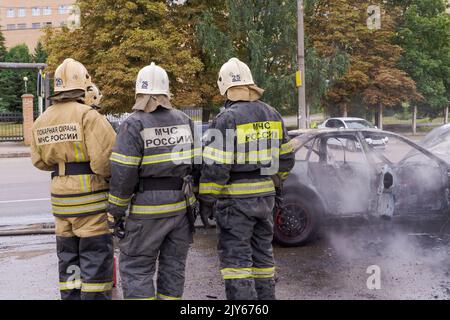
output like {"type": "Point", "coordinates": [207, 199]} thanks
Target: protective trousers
{"type": "Point", "coordinates": [85, 253]}
{"type": "Point", "coordinates": [245, 232]}
{"type": "Point", "coordinates": [146, 241]}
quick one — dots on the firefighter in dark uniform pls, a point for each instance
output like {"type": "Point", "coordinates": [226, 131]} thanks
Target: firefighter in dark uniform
{"type": "Point", "coordinates": [151, 165]}
{"type": "Point", "coordinates": [75, 142]}
{"type": "Point", "coordinates": [247, 156]}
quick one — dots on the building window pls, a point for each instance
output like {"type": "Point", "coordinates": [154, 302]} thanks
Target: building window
{"type": "Point", "coordinates": [36, 25]}
{"type": "Point", "coordinates": [35, 11]}
{"type": "Point", "coordinates": [62, 10]}
{"type": "Point", "coordinates": [47, 11]}
{"type": "Point", "coordinates": [22, 26]}
{"type": "Point", "coordinates": [11, 13]}
{"type": "Point", "coordinates": [63, 24]}
{"type": "Point", "coordinates": [47, 24]}
{"type": "Point", "coordinates": [10, 27]}
{"type": "Point", "coordinates": [21, 12]}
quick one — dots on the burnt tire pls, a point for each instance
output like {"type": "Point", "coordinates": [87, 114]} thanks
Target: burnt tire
{"type": "Point", "coordinates": [296, 224]}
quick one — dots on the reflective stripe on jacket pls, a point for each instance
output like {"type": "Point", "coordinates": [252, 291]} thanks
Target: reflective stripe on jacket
{"type": "Point", "coordinates": [261, 141]}
{"type": "Point", "coordinates": [151, 145]}
{"type": "Point", "coordinates": [74, 132]}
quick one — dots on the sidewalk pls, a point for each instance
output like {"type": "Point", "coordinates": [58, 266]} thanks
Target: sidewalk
{"type": "Point", "coordinates": [14, 150]}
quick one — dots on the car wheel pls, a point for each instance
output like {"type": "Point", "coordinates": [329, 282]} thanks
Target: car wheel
{"type": "Point", "coordinates": [296, 224]}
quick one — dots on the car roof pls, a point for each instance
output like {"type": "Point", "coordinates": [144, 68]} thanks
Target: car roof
{"type": "Point", "coordinates": [347, 119]}
{"type": "Point", "coordinates": [306, 134]}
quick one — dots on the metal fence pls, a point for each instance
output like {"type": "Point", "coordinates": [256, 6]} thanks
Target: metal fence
{"type": "Point", "coordinates": [11, 126]}
{"type": "Point", "coordinates": [195, 114]}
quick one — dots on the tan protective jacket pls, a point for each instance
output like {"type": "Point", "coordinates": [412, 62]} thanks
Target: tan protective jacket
{"type": "Point", "coordinates": [72, 132]}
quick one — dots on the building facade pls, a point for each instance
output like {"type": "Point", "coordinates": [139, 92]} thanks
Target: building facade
{"type": "Point", "coordinates": [23, 21]}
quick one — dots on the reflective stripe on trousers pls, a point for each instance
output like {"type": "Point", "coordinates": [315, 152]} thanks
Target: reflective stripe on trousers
{"type": "Point", "coordinates": [70, 285]}
{"type": "Point", "coordinates": [160, 209]}
{"type": "Point", "coordinates": [164, 297]}
{"type": "Point", "coordinates": [247, 273]}
{"type": "Point", "coordinates": [238, 189]}
{"type": "Point", "coordinates": [96, 287]}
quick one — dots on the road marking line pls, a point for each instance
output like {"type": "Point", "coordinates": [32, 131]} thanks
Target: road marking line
{"type": "Point", "coordinates": [27, 200]}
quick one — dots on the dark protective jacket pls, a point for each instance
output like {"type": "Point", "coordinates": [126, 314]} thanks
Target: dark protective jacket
{"type": "Point", "coordinates": [151, 145]}
{"type": "Point", "coordinates": [238, 167]}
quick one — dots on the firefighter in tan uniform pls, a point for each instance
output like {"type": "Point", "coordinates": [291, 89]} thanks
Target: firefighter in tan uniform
{"type": "Point", "coordinates": [74, 142]}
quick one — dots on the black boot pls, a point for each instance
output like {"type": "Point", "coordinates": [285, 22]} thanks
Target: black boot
{"type": "Point", "coordinates": [265, 288]}
{"type": "Point", "coordinates": [97, 264]}
{"type": "Point", "coordinates": [240, 289]}
{"type": "Point", "coordinates": [69, 267]}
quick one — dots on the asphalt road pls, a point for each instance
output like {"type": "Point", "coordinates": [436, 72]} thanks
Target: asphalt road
{"type": "Point", "coordinates": [24, 193]}
{"type": "Point", "coordinates": [411, 265]}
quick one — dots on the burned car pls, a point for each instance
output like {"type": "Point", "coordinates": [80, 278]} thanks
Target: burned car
{"type": "Point", "coordinates": [331, 180]}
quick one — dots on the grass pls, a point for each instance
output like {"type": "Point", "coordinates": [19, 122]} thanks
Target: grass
{"type": "Point", "coordinates": [10, 129]}
{"type": "Point", "coordinates": [395, 120]}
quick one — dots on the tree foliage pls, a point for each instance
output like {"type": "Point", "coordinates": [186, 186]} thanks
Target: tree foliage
{"type": "Point", "coordinates": [261, 33]}
{"type": "Point", "coordinates": [424, 36]}
{"type": "Point", "coordinates": [340, 26]}
{"type": "Point", "coordinates": [12, 84]}
{"type": "Point", "coordinates": [117, 38]}
{"type": "Point", "coordinates": [187, 17]}
{"type": "Point", "coordinates": [348, 65]}
{"type": "Point", "coordinates": [12, 81]}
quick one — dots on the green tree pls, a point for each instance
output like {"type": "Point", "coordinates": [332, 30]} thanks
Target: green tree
{"type": "Point", "coordinates": [117, 38]}
{"type": "Point", "coordinates": [424, 36]}
{"type": "Point", "coordinates": [40, 55]}
{"type": "Point", "coordinates": [3, 50]}
{"type": "Point", "coordinates": [12, 84]}
{"type": "Point", "coordinates": [340, 26]}
{"type": "Point", "coordinates": [187, 17]}
{"type": "Point", "coordinates": [4, 98]}
{"type": "Point", "coordinates": [261, 33]}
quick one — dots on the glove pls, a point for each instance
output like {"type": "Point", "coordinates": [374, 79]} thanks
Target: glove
{"type": "Point", "coordinates": [116, 226]}
{"type": "Point", "coordinates": [279, 197]}
{"type": "Point", "coordinates": [277, 181]}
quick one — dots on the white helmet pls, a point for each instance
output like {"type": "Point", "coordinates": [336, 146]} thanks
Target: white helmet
{"type": "Point", "coordinates": [232, 74]}
{"type": "Point", "coordinates": [93, 96]}
{"type": "Point", "coordinates": [153, 80]}
{"type": "Point", "coordinates": [71, 75]}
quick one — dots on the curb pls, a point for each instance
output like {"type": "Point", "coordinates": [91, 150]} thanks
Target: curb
{"type": "Point", "coordinates": [15, 155]}
{"type": "Point", "coordinates": [25, 230]}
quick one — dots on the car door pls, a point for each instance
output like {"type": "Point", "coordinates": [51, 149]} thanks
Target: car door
{"type": "Point", "coordinates": [340, 124]}
{"type": "Point", "coordinates": [342, 177]}
{"type": "Point", "coordinates": [331, 124]}
{"type": "Point", "coordinates": [420, 182]}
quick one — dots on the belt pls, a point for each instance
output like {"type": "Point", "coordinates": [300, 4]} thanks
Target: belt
{"type": "Point", "coordinates": [236, 176]}
{"type": "Point", "coordinates": [74, 169]}
{"type": "Point", "coordinates": [160, 184]}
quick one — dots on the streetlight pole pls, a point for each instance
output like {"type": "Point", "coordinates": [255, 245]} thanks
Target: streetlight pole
{"type": "Point", "coordinates": [25, 80]}
{"type": "Point", "coordinates": [302, 116]}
